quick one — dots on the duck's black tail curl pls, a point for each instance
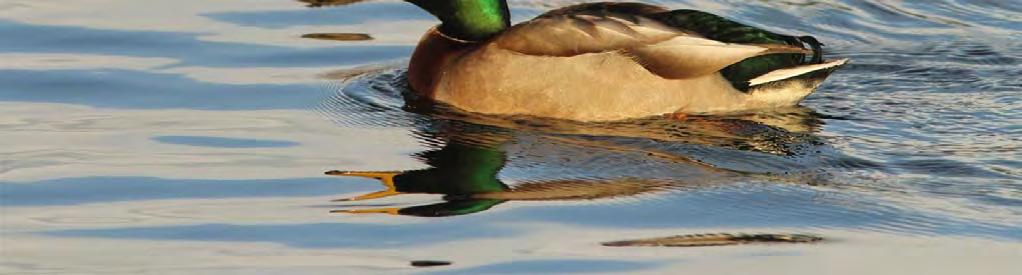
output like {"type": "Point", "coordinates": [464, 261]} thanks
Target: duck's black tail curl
{"type": "Point", "coordinates": [816, 46]}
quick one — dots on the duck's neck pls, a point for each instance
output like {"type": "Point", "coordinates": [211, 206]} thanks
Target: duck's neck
{"type": "Point", "coordinates": [471, 20]}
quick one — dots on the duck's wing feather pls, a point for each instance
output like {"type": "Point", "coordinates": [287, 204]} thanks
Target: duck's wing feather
{"type": "Point", "coordinates": [605, 8]}
{"type": "Point", "coordinates": [725, 30]}
{"type": "Point", "coordinates": [688, 56]}
{"type": "Point", "coordinates": [664, 50]}
{"type": "Point", "coordinates": [571, 35]}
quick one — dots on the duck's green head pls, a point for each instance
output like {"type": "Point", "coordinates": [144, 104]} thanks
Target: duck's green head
{"type": "Point", "coordinates": [471, 20]}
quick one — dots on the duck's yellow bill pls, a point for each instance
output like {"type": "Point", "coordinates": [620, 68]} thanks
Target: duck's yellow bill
{"type": "Point", "coordinates": [385, 178]}
{"type": "Point", "coordinates": [390, 211]}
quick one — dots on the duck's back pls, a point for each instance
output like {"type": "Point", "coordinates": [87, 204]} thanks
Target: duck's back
{"type": "Point", "coordinates": [712, 27]}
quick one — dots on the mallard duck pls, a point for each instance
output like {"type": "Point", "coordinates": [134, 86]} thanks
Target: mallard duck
{"type": "Point", "coordinates": [608, 61]}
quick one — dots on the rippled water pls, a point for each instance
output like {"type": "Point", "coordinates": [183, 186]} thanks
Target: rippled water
{"type": "Point", "coordinates": [192, 137]}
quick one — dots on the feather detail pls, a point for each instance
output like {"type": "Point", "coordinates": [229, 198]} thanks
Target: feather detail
{"type": "Point", "coordinates": [687, 56]}
{"type": "Point", "coordinates": [666, 51]}
{"type": "Point", "coordinates": [786, 73]}
{"type": "Point", "coordinates": [581, 34]}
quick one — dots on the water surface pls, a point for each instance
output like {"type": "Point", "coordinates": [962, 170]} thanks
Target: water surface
{"type": "Point", "coordinates": [193, 137]}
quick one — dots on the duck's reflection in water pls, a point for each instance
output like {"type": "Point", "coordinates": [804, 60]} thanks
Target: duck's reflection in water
{"type": "Point", "coordinates": [467, 177]}
{"type": "Point", "coordinates": [567, 161]}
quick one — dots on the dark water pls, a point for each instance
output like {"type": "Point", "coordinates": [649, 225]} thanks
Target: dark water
{"type": "Point", "coordinates": [192, 137]}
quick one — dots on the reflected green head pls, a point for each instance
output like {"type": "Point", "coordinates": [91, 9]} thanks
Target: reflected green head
{"type": "Point", "coordinates": [471, 20]}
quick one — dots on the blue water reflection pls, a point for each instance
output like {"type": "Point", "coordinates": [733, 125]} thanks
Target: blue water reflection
{"type": "Point", "coordinates": [555, 266]}
{"type": "Point", "coordinates": [73, 191]}
{"type": "Point", "coordinates": [187, 48]}
{"type": "Point", "coordinates": [310, 235]}
{"type": "Point", "coordinates": [134, 90]}
{"type": "Point", "coordinates": [915, 142]}
{"type": "Point", "coordinates": [222, 142]}
{"type": "Point", "coordinates": [353, 14]}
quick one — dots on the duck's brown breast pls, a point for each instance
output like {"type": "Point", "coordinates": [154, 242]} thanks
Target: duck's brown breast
{"type": "Point", "coordinates": [432, 55]}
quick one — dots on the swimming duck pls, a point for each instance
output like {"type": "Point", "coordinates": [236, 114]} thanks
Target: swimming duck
{"type": "Point", "coordinates": [608, 61]}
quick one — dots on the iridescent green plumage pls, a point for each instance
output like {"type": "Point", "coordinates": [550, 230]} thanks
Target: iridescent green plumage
{"type": "Point", "coordinates": [458, 171]}
{"type": "Point", "coordinates": [471, 20]}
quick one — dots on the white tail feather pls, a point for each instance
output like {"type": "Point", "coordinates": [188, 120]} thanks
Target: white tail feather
{"type": "Point", "coordinates": [782, 74]}
{"type": "Point", "coordinates": [786, 93]}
